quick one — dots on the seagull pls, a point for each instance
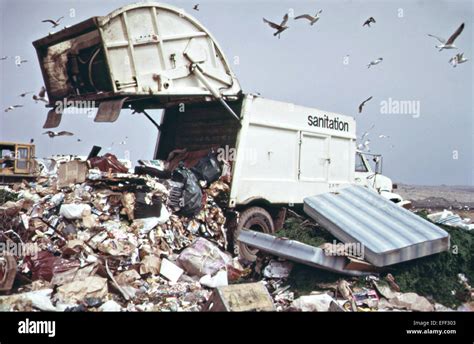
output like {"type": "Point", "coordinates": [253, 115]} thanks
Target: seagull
{"type": "Point", "coordinates": [363, 103]}
{"type": "Point", "coordinates": [312, 19]}
{"type": "Point", "coordinates": [18, 63]}
{"type": "Point", "coordinates": [3, 58]}
{"type": "Point", "coordinates": [369, 21]}
{"type": "Point", "coordinates": [196, 7]}
{"type": "Point", "coordinates": [382, 136]}
{"type": "Point", "coordinates": [457, 59]}
{"type": "Point", "coordinates": [12, 107]}
{"type": "Point", "coordinates": [24, 94]}
{"type": "Point", "coordinates": [375, 62]}
{"type": "Point", "coordinates": [41, 95]}
{"type": "Point", "coordinates": [364, 145]}
{"type": "Point", "coordinates": [279, 28]}
{"type": "Point", "coordinates": [54, 22]}
{"type": "Point", "coordinates": [367, 132]}
{"type": "Point", "coordinates": [449, 44]}
{"type": "Point", "coordinates": [52, 134]}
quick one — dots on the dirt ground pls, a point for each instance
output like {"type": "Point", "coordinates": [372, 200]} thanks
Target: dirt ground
{"type": "Point", "coordinates": [459, 199]}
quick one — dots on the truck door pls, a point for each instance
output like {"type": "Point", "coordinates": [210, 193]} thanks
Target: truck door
{"type": "Point", "coordinates": [314, 157]}
{"type": "Point", "coordinates": [341, 168]}
{"type": "Point", "coordinates": [22, 159]}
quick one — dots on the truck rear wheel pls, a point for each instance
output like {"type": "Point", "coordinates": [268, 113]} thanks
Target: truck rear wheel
{"type": "Point", "coordinates": [257, 219]}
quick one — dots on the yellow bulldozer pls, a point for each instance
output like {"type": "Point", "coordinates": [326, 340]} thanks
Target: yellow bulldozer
{"type": "Point", "coordinates": [17, 162]}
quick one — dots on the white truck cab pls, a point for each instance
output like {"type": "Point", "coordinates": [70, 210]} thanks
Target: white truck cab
{"type": "Point", "coordinates": [368, 173]}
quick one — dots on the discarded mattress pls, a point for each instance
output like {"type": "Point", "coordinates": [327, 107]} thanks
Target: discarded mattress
{"type": "Point", "coordinates": [297, 251]}
{"type": "Point", "coordinates": [390, 234]}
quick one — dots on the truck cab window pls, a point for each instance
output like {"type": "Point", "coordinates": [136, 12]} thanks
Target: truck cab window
{"type": "Point", "coordinates": [359, 164]}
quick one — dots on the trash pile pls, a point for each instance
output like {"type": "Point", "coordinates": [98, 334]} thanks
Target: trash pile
{"type": "Point", "coordinates": [92, 236]}
{"type": "Point", "coordinates": [95, 237]}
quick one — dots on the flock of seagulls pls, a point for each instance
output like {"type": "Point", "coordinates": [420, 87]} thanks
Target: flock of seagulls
{"type": "Point", "coordinates": [444, 44]}
{"type": "Point", "coordinates": [18, 60]}
{"type": "Point", "coordinates": [312, 19]}
{"type": "Point", "coordinates": [449, 44]}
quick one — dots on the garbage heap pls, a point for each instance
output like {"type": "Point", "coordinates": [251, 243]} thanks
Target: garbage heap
{"type": "Point", "coordinates": [89, 235]}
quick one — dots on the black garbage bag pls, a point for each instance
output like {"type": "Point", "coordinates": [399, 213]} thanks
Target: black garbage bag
{"type": "Point", "coordinates": [143, 209]}
{"type": "Point", "coordinates": [207, 169]}
{"type": "Point", "coordinates": [191, 196]}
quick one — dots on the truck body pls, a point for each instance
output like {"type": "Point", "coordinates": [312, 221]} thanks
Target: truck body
{"type": "Point", "coordinates": [280, 152]}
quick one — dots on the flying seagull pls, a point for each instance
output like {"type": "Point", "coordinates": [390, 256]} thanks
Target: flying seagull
{"type": "Point", "coordinates": [449, 44]}
{"type": "Point", "coordinates": [3, 58]}
{"type": "Point", "coordinates": [364, 145]}
{"type": "Point", "coordinates": [363, 103]}
{"type": "Point", "coordinates": [41, 95]}
{"type": "Point", "coordinates": [279, 28]}
{"type": "Point", "coordinates": [375, 62]}
{"type": "Point", "coordinates": [24, 94]}
{"type": "Point", "coordinates": [367, 132]}
{"type": "Point", "coordinates": [52, 134]}
{"type": "Point", "coordinates": [196, 7]}
{"type": "Point", "coordinates": [457, 59]}
{"type": "Point", "coordinates": [19, 62]}
{"type": "Point", "coordinates": [369, 21]}
{"type": "Point", "coordinates": [55, 23]}
{"type": "Point", "coordinates": [382, 136]}
{"type": "Point", "coordinates": [312, 19]}
{"type": "Point", "coordinates": [12, 107]}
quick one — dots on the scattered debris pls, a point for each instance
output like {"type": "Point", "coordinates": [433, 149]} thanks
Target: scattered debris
{"type": "Point", "coordinates": [451, 219]}
{"type": "Point", "coordinates": [312, 303]}
{"type": "Point", "coordinates": [241, 298]}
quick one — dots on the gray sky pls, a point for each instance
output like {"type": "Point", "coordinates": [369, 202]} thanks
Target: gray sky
{"type": "Point", "coordinates": [304, 67]}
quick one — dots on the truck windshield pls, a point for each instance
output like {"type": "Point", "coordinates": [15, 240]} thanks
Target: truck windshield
{"type": "Point", "coordinates": [359, 164]}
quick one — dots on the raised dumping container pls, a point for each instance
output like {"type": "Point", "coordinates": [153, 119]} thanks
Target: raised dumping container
{"type": "Point", "coordinates": [147, 55]}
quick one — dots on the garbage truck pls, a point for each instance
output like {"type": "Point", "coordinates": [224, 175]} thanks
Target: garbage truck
{"type": "Point", "coordinates": [154, 56]}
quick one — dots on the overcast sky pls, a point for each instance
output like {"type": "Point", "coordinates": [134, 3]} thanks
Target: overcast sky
{"type": "Point", "coordinates": [306, 67]}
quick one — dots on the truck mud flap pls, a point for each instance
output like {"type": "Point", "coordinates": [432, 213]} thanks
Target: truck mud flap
{"type": "Point", "coordinates": [109, 110]}
{"type": "Point", "coordinates": [53, 120]}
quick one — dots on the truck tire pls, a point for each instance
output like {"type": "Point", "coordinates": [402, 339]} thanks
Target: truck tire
{"type": "Point", "coordinates": [257, 219]}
